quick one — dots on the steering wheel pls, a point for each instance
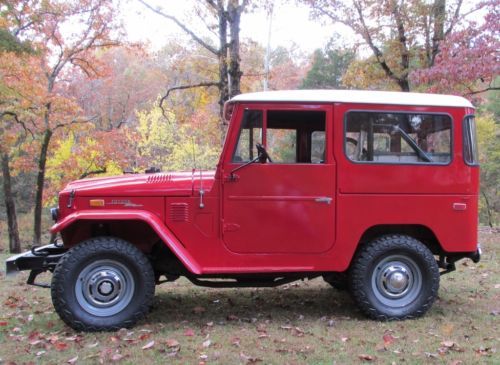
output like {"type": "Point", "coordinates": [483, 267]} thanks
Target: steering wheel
{"type": "Point", "coordinates": [263, 155]}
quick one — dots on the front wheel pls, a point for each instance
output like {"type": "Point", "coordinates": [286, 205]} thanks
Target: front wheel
{"type": "Point", "coordinates": [104, 283]}
{"type": "Point", "coordinates": [394, 277]}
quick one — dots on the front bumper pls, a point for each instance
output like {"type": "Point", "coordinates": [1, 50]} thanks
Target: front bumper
{"type": "Point", "coordinates": [38, 260]}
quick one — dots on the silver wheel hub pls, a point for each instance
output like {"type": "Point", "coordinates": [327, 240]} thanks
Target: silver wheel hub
{"type": "Point", "coordinates": [104, 288]}
{"type": "Point", "coordinates": [395, 280]}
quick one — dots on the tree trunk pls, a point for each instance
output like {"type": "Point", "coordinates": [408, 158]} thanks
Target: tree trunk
{"type": "Point", "coordinates": [439, 17]}
{"type": "Point", "coordinates": [223, 76]}
{"type": "Point", "coordinates": [40, 181]}
{"type": "Point", "coordinates": [234, 12]}
{"type": "Point", "coordinates": [10, 206]}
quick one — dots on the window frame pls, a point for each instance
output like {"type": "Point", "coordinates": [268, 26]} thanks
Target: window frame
{"type": "Point", "coordinates": [238, 136]}
{"type": "Point", "coordinates": [452, 138]}
{"type": "Point", "coordinates": [466, 140]}
{"type": "Point", "coordinates": [266, 108]}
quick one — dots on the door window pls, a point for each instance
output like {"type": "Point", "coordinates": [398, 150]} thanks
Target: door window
{"type": "Point", "coordinates": [296, 136]}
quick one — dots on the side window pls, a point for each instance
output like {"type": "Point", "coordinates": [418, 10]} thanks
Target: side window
{"type": "Point", "coordinates": [250, 135]}
{"type": "Point", "coordinates": [470, 141]}
{"type": "Point", "coordinates": [398, 137]}
{"type": "Point", "coordinates": [294, 136]}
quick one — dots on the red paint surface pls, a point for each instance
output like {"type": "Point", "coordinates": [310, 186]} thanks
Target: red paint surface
{"type": "Point", "coordinates": [268, 219]}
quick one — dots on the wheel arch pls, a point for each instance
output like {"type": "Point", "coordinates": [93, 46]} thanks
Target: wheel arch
{"type": "Point", "coordinates": [420, 232]}
{"type": "Point", "coordinates": [143, 229]}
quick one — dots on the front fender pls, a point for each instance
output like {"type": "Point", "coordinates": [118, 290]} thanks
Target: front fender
{"type": "Point", "coordinates": [152, 220]}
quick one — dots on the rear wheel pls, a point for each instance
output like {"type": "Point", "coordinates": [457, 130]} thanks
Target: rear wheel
{"type": "Point", "coordinates": [104, 283]}
{"type": "Point", "coordinates": [394, 277]}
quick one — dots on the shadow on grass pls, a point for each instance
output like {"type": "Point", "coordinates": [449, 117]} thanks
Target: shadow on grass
{"type": "Point", "coordinates": [196, 306]}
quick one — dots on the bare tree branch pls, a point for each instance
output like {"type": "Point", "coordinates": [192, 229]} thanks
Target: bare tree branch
{"type": "Point", "coordinates": [184, 87]}
{"type": "Point", "coordinates": [93, 172]}
{"type": "Point", "coordinates": [183, 27]}
{"type": "Point", "coordinates": [489, 88]}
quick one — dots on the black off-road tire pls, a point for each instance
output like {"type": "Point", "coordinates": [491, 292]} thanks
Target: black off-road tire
{"type": "Point", "coordinates": [115, 265]}
{"type": "Point", "coordinates": [378, 273]}
{"type": "Point", "coordinates": [338, 280]}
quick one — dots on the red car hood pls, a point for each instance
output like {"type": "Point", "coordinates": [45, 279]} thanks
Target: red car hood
{"type": "Point", "coordinates": [160, 184]}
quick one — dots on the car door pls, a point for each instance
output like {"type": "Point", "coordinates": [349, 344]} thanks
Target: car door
{"type": "Point", "coordinates": [287, 204]}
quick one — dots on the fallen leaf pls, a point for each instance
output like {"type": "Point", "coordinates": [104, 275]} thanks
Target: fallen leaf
{"type": "Point", "coordinates": [92, 345]}
{"type": "Point", "coordinates": [235, 341]}
{"type": "Point", "coordinates": [366, 357]}
{"type": "Point", "coordinates": [144, 336]}
{"type": "Point", "coordinates": [40, 353]}
{"type": "Point", "coordinates": [388, 339]}
{"type": "Point", "coordinates": [448, 344]}
{"type": "Point", "coordinates": [189, 332]}
{"type": "Point", "coordinates": [344, 339]}
{"type": "Point", "coordinates": [116, 357]}
{"type": "Point", "coordinates": [148, 345]}
{"type": "Point", "coordinates": [206, 343]}
{"type": "Point", "coordinates": [60, 346]}
{"type": "Point", "coordinates": [72, 360]}
{"type": "Point", "coordinates": [249, 359]}
{"type": "Point", "coordinates": [232, 317]}
{"type": "Point", "coordinates": [172, 343]}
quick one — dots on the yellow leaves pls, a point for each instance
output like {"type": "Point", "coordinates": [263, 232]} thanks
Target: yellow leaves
{"type": "Point", "coordinates": [487, 131]}
{"type": "Point", "coordinates": [170, 145]}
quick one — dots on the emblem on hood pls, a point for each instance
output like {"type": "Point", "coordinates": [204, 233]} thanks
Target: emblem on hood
{"type": "Point", "coordinates": [124, 202]}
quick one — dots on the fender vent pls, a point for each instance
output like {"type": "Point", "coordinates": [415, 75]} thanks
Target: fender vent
{"type": "Point", "coordinates": [179, 212]}
{"type": "Point", "coordinates": [159, 178]}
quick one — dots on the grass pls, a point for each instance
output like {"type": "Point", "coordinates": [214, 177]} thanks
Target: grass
{"type": "Point", "coordinates": [300, 323]}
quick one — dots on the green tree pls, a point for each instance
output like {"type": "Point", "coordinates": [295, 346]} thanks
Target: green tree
{"type": "Point", "coordinates": [328, 68]}
{"type": "Point", "coordinates": [488, 134]}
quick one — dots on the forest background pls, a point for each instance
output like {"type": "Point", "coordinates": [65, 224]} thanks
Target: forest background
{"type": "Point", "coordinates": [79, 98]}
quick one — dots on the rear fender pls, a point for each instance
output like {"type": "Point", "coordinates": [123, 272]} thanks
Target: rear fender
{"type": "Point", "coordinates": [152, 220]}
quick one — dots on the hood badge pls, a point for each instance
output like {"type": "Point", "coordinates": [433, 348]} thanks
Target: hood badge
{"type": "Point", "coordinates": [125, 203]}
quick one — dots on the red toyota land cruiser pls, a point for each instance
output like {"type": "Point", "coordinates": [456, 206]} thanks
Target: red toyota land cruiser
{"type": "Point", "coordinates": [373, 191]}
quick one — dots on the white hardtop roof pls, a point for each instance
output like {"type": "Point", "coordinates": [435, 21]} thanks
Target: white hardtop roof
{"type": "Point", "coordinates": [355, 96]}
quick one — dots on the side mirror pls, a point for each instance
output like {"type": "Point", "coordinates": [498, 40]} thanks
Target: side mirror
{"type": "Point", "coordinates": [263, 155]}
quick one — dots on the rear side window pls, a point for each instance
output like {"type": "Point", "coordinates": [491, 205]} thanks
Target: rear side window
{"type": "Point", "coordinates": [398, 138]}
{"type": "Point", "coordinates": [470, 141]}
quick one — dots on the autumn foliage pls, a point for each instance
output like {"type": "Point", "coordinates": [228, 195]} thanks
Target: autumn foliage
{"type": "Point", "coordinates": [77, 99]}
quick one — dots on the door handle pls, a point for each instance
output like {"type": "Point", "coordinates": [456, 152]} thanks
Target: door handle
{"type": "Point", "coordinates": [323, 199]}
